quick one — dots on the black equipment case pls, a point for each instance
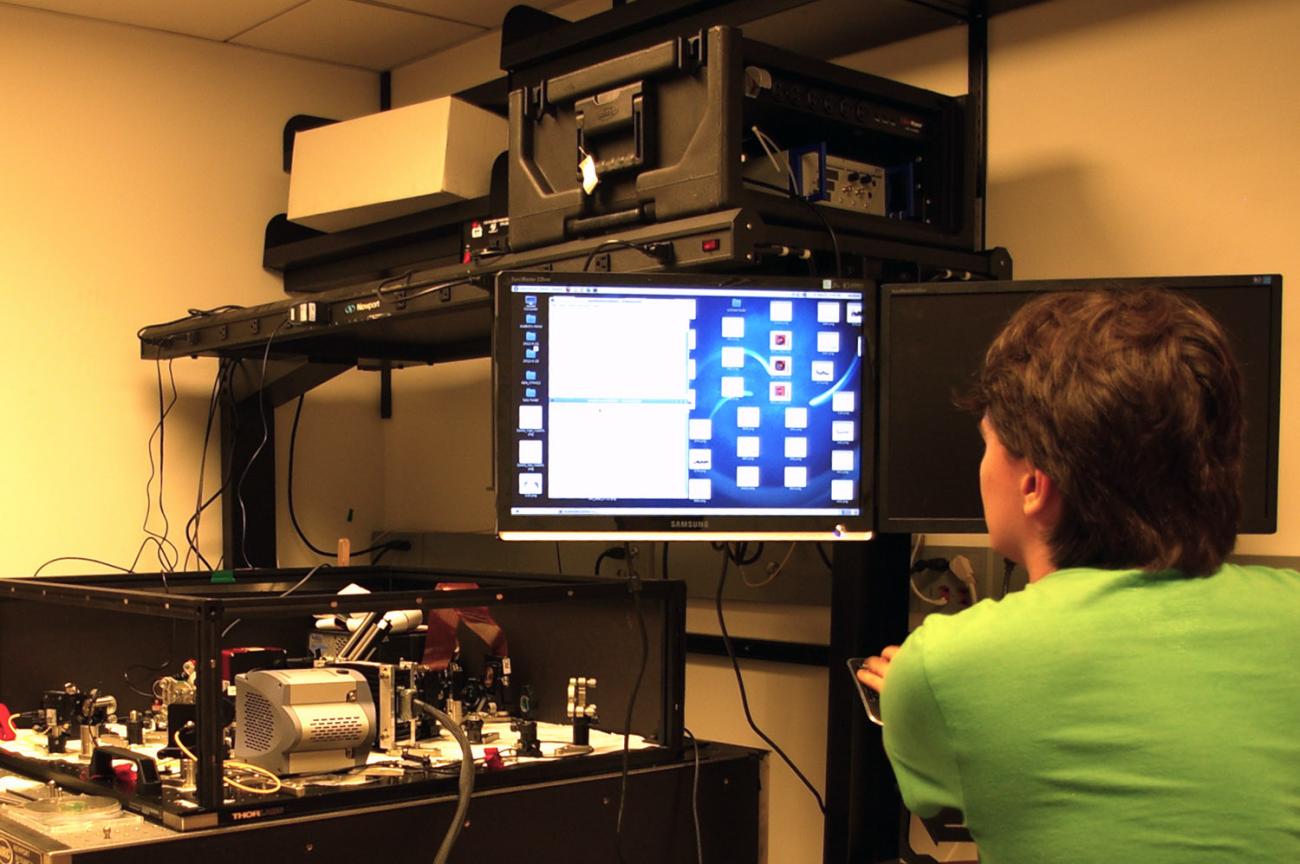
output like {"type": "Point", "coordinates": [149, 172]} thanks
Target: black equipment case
{"type": "Point", "coordinates": [670, 131]}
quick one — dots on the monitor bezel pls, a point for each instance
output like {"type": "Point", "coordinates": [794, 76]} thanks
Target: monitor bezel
{"type": "Point", "coordinates": [686, 526]}
{"type": "Point", "coordinates": [892, 523]}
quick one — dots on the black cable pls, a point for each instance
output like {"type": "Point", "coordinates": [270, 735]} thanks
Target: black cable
{"type": "Point", "coordinates": [744, 697]}
{"type": "Point", "coordinates": [159, 551]}
{"type": "Point", "coordinates": [634, 585]}
{"type": "Point", "coordinates": [695, 797]}
{"type": "Point", "coordinates": [614, 553]}
{"type": "Point", "coordinates": [794, 195]}
{"type": "Point", "coordinates": [938, 565]}
{"type": "Point", "coordinates": [156, 470]}
{"type": "Point", "coordinates": [661, 251]}
{"type": "Point", "coordinates": [1007, 566]}
{"type": "Point", "coordinates": [227, 390]}
{"type": "Point", "coordinates": [428, 286]}
{"type": "Point", "coordinates": [826, 559]}
{"type": "Point", "coordinates": [438, 287]}
{"type": "Point", "coordinates": [742, 549]}
{"type": "Point", "coordinates": [195, 520]}
{"type": "Point", "coordinates": [292, 588]}
{"type": "Point", "coordinates": [126, 676]}
{"type": "Point", "coordinates": [266, 435]}
{"type": "Point", "coordinates": [293, 515]}
{"type": "Point", "coordinates": [162, 460]}
{"type": "Point", "coordinates": [191, 313]}
{"type": "Point", "coordinates": [404, 278]}
{"type": "Point", "coordinates": [559, 565]}
{"type": "Point", "coordinates": [403, 545]}
{"type": "Point", "coordinates": [944, 10]}
{"type": "Point", "coordinates": [38, 570]}
{"type": "Point", "coordinates": [835, 241]}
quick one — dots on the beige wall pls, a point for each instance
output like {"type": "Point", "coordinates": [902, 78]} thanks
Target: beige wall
{"type": "Point", "coordinates": [137, 170]}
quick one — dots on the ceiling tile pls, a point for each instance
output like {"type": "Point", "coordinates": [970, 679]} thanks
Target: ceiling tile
{"type": "Point", "coordinates": [218, 21]}
{"type": "Point", "coordinates": [356, 34]}
{"type": "Point", "coordinates": [484, 13]}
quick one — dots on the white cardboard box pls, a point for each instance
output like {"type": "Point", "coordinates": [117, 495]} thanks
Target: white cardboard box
{"type": "Point", "coordinates": [393, 163]}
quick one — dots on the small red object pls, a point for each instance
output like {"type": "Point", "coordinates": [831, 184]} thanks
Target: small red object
{"type": "Point", "coordinates": [492, 759]}
{"type": "Point", "coordinates": [6, 733]}
{"type": "Point", "coordinates": [713, 244]}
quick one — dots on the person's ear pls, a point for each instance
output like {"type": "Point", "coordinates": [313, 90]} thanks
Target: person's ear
{"type": "Point", "coordinates": [1038, 493]}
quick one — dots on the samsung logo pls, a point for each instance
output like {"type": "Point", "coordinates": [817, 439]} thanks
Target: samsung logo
{"type": "Point", "coordinates": [689, 523]}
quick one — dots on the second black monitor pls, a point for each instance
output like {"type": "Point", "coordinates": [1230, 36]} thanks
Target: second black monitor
{"type": "Point", "coordinates": [933, 339]}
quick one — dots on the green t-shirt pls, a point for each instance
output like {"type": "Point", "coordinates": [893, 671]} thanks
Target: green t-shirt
{"type": "Point", "coordinates": [1109, 716]}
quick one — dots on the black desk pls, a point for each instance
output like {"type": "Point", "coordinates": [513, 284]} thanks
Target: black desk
{"type": "Point", "coordinates": [570, 821]}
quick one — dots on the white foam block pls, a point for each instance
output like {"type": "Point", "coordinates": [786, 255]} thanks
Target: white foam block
{"type": "Point", "coordinates": [393, 163]}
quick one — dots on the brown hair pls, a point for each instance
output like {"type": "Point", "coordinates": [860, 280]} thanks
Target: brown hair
{"type": "Point", "coordinates": [1130, 400]}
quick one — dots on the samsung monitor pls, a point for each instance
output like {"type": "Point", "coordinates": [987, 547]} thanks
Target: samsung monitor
{"type": "Point", "coordinates": [685, 407]}
{"type": "Point", "coordinates": [933, 340]}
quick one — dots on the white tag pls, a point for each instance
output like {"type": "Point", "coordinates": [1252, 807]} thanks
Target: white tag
{"type": "Point", "coordinates": [588, 168]}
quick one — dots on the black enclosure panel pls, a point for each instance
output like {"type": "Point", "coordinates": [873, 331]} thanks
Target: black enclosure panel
{"type": "Point", "coordinates": [933, 341]}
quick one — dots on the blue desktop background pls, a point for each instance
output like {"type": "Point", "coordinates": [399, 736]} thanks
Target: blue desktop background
{"type": "Point", "coordinates": [530, 364]}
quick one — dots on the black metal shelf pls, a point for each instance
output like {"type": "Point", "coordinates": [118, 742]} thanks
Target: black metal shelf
{"type": "Point", "coordinates": [444, 313]}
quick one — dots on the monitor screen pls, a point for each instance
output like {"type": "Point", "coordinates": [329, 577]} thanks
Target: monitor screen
{"type": "Point", "coordinates": [933, 339]}
{"type": "Point", "coordinates": [682, 406]}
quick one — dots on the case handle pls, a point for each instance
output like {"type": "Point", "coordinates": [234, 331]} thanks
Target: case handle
{"type": "Point", "coordinates": [146, 770]}
{"type": "Point", "coordinates": [665, 57]}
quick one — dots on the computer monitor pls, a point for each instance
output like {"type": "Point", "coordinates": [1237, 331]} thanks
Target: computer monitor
{"type": "Point", "coordinates": [685, 407]}
{"type": "Point", "coordinates": [933, 340]}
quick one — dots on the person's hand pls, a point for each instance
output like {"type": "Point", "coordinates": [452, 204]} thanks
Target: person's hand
{"type": "Point", "coordinates": [873, 672]}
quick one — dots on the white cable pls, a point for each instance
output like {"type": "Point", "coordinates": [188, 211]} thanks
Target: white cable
{"type": "Point", "coordinates": [942, 601]}
{"type": "Point", "coordinates": [960, 567]}
{"type": "Point", "coordinates": [769, 147]}
{"type": "Point", "coordinates": [775, 573]}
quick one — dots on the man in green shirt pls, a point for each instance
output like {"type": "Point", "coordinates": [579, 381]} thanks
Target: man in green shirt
{"type": "Point", "coordinates": [1140, 700]}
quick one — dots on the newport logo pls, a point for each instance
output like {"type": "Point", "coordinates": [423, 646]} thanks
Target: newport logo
{"type": "Point", "coordinates": [349, 309]}
{"type": "Point", "coordinates": [688, 523]}
{"type": "Point", "coordinates": [366, 307]}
